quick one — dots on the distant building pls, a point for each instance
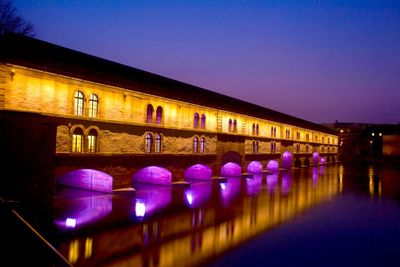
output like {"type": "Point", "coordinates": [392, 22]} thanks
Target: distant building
{"type": "Point", "coordinates": [367, 142]}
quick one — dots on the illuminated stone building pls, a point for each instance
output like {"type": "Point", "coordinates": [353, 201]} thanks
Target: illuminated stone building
{"type": "Point", "coordinates": [65, 110]}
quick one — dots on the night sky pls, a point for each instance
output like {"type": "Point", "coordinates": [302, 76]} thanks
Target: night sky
{"type": "Point", "coordinates": [318, 60]}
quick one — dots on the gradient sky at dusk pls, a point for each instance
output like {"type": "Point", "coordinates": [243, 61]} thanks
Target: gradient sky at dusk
{"type": "Point", "coordinates": [317, 60]}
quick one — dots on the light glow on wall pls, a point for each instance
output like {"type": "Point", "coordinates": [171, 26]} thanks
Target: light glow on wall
{"type": "Point", "coordinates": [286, 160]}
{"type": "Point", "coordinates": [273, 166]}
{"type": "Point", "coordinates": [315, 157]}
{"type": "Point", "coordinates": [198, 172]}
{"type": "Point", "coordinates": [231, 169]}
{"type": "Point", "coordinates": [153, 175]}
{"type": "Point", "coordinates": [87, 179]}
{"type": "Point", "coordinates": [254, 167]}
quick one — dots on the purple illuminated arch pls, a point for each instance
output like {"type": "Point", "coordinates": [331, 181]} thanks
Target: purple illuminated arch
{"type": "Point", "coordinates": [315, 157]}
{"type": "Point", "coordinates": [153, 175]}
{"type": "Point", "coordinates": [87, 179]}
{"type": "Point", "coordinates": [253, 185]}
{"type": "Point", "coordinates": [286, 160]}
{"type": "Point", "coordinates": [272, 182]}
{"type": "Point", "coordinates": [86, 208]}
{"type": "Point", "coordinates": [322, 160]}
{"type": "Point", "coordinates": [273, 166]}
{"type": "Point", "coordinates": [197, 195]}
{"type": "Point", "coordinates": [254, 167]}
{"type": "Point", "coordinates": [231, 169]}
{"type": "Point", "coordinates": [149, 199]}
{"type": "Point", "coordinates": [198, 172]}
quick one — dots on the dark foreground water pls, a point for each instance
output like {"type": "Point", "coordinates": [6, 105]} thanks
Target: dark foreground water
{"type": "Point", "coordinates": [319, 216]}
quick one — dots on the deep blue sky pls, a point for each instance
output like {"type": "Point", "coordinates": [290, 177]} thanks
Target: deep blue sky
{"type": "Point", "coordinates": [318, 60]}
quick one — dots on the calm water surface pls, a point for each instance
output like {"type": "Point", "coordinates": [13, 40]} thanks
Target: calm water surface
{"type": "Point", "coordinates": [331, 215]}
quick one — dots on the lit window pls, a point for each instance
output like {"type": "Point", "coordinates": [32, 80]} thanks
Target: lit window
{"type": "Point", "coordinates": [196, 120]}
{"type": "Point", "coordinates": [234, 125]}
{"type": "Point", "coordinates": [148, 143]}
{"type": "Point", "coordinates": [255, 147]}
{"type": "Point", "coordinates": [373, 134]}
{"type": "Point", "coordinates": [272, 131]}
{"type": "Point", "coordinates": [78, 103]}
{"type": "Point", "coordinates": [92, 141]}
{"type": "Point", "coordinates": [257, 132]}
{"type": "Point", "coordinates": [149, 118]}
{"type": "Point", "coordinates": [202, 145]}
{"type": "Point", "coordinates": [77, 140]}
{"type": "Point", "coordinates": [158, 143]}
{"type": "Point", "coordinates": [203, 121]}
{"type": "Point", "coordinates": [159, 115]}
{"type": "Point", "coordinates": [196, 145]}
{"type": "Point", "coordinates": [93, 106]}
{"type": "Point", "coordinates": [253, 130]}
{"type": "Point", "coordinates": [230, 125]}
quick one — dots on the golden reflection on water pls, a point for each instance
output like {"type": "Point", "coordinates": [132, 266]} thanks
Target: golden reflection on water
{"type": "Point", "coordinates": [194, 236]}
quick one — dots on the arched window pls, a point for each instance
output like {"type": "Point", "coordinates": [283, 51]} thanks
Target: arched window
{"type": "Point", "coordinates": [297, 148]}
{"type": "Point", "coordinates": [148, 143]}
{"type": "Point", "coordinates": [93, 106]}
{"type": "Point", "coordinates": [92, 141]}
{"type": "Point", "coordinates": [196, 145]}
{"type": "Point", "coordinates": [307, 148]}
{"type": "Point", "coordinates": [78, 103]}
{"type": "Point", "coordinates": [196, 120]}
{"type": "Point", "coordinates": [255, 147]}
{"type": "Point", "coordinates": [257, 130]}
{"type": "Point", "coordinates": [274, 131]}
{"type": "Point", "coordinates": [274, 147]}
{"type": "Point", "coordinates": [230, 125]}
{"type": "Point", "coordinates": [235, 126]}
{"type": "Point", "coordinates": [158, 143]}
{"type": "Point", "coordinates": [202, 145]}
{"type": "Point", "coordinates": [253, 129]}
{"type": "Point", "coordinates": [159, 115]}
{"type": "Point", "coordinates": [149, 118]}
{"type": "Point", "coordinates": [203, 121]}
{"type": "Point", "coordinates": [77, 140]}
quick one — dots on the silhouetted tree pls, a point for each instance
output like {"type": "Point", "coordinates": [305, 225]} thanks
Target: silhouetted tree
{"type": "Point", "coordinates": [10, 21]}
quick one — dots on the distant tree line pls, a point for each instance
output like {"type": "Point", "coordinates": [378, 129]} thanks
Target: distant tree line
{"type": "Point", "coordinates": [10, 21]}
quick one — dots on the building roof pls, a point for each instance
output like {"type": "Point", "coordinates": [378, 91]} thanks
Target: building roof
{"type": "Point", "coordinates": [37, 54]}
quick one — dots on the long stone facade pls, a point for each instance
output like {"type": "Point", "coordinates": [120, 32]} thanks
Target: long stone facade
{"type": "Point", "coordinates": [119, 119]}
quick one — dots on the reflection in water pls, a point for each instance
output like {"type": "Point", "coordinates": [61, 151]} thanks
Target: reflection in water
{"type": "Point", "coordinates": [197, 195]}
{"type": "Point", "coordinates": [272, 182]}
{"type": "Point", "coordinates": [150, 199]}
{"type": "Point", "coordinates": [286, 183]}
{"type": "Point", "coordinates": [315, 175]}
{"type": "Point", "coordinates": [85, 208]}
{"type": "Point", "coordinates": [230, 190]}
{"type": "Point", "coordinates": [187, 237]}
{"type": "Point", "coordinates": [254, 184]}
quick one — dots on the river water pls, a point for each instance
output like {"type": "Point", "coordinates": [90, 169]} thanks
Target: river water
{"type": "Point", "coordinates": [333, 215]}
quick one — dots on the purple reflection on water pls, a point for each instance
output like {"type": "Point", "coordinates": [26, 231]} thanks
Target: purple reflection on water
{"type": "Point", "coordinates": [273, 166]}
{"type": "Point", "coordinates": [87, 179]}
{"type": "Point", "coordinates": [315, 175]}
{"type": "Point", "coordinates": [230, 189]}
{"type": "Point", "coordinates": [153, 175]}
{"type": "Point", "coordinates": [321, 170]}
{"type": "Point", "coordinates": [197, 195]}
{"type": "Point", "coordinates": [315, 157]}
{"type": "Point", "coordinates": [286, 160]}
{"type": "Point", "coordinates": [272, 182]}
{"type": "Point", "coordinates": [231, 169]}
{"type": "Point", "coordinates": [86, 208]}
{"type": "Point", "coordinates": [286, 183]}
{"type": "Point", "coordinates": [254, 167]}
{"type": "Point", "coordinates": [253, 185]}
{"type": "Point", "coordinates": [150, 199]}
{"type": "Point", "coordinates": [198, 172]}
